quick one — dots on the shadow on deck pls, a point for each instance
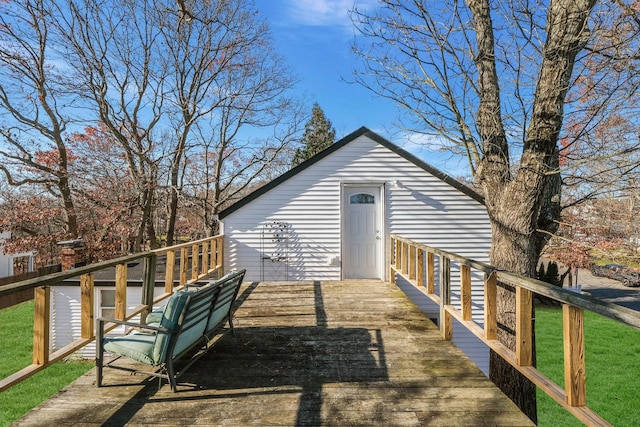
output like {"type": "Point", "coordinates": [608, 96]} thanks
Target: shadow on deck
{"type": "Point", "coordinates": [304, 354]}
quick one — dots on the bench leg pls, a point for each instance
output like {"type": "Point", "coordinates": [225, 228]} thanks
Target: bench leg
{"type": "Point", "coordinates": [99, 354]}
{"type": "Point", "coordinates": [233, 332]}
{"type": "Point", "coordinates": [172, 376]}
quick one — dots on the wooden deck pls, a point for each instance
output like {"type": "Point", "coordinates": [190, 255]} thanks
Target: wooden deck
{"type": "Point", "coordinates": [355, 353]}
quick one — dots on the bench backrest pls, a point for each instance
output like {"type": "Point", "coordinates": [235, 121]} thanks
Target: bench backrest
{"type": "Point", "coordinates": [186, 313]}
{"type": "Point", "coordinates": [191, 313]}
{"type": "Point", "coordinates": [221, 310]}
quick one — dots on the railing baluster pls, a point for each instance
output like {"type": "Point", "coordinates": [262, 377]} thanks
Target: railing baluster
{"type": "Point", "coordinates": [431, 275]}
{"type": "Point", "coordinates": [405, 254]}
{"type": "Point", "coordinates": [149, 284]}
{"type": "Point", "coordinates": [412, 262]}
{"type": "Point", "coordinates": [169, 271]}
{"type": "Point", "coordinates": [574, 357]}
{"type": "Point", "coordinates": [465, 291]}
{"type": "Point", "coordinates": [121, 291]}
{"type": "Point", "coordinates": [490, 307]}
{"type": "Point", "coordinates": [41, 323]}
{"type": "Point", "coordinates": [392, 260]}
{"type": "Point", "coordinates": [184, 265]}
{"type": "Point", "coordinates": [220, 256]}
{"type": "Point", "coordinates": [214, 257]}
{"type": "Point", "coordinates": [421, 267]}
{"type": "Point", "coordinates": [205, 257]}
{"type": "Point", "coordinates": [195, 258]}
{"type": "Point", "coordinates": [87, 316]}
{"type": "Point", "coordinates": [446, 321]}
{"type": "Point", "coordinates": [524, 327]}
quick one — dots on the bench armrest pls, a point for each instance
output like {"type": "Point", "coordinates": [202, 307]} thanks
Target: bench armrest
{"type": "Point", "coordinates": [103, 320]}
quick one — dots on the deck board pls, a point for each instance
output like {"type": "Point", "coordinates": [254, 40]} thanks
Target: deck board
{"type": "Point", "coordinates": [353, 353]}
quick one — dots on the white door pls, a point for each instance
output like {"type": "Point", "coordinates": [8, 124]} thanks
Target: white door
{"type": "Point", "coordinates": [362, 232]}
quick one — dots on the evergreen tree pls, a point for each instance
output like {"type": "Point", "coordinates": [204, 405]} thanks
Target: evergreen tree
{"type": "Point", "coordinates": [318, 135]}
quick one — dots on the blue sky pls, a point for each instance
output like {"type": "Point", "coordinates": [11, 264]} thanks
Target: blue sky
{"type": "Point", "coordinates": [315, 37]}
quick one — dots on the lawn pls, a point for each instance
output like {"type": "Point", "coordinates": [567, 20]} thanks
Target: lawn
{"type": "Point", "coordinates": [613, 375]}
{"type": "Point", "coordinates": [16, 342]}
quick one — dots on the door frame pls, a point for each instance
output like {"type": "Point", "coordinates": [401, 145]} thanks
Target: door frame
{"type": "Point", "coordinates": [380, 189]}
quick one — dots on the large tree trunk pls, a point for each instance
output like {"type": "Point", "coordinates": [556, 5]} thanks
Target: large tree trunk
{"type": "Point", "coordinates": [514, 252]}
{"type": "Point", "coordinates": [524, 207]}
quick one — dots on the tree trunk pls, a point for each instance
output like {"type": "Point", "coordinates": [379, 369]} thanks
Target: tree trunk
{"type": "Point", "coordinates": [524, 207]}
{"type": "Point", "coordinates": [173, 213]}
{"type": "Point", "coordinates": [514, 252]}
{"type": "Point", "coordinates": [67, 201]}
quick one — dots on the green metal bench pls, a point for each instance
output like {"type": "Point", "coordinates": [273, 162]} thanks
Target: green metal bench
{"type": "Point", "coordinates": [184, 326]}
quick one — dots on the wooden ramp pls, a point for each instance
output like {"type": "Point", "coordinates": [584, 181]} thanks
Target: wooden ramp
{"type": "Point", "coordinates": [353, 353]}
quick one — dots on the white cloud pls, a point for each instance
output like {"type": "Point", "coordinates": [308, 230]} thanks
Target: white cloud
{"type": "Point", "coordinates": [416, 142]}
{"type": "Point", "coordinates": [433, 150]}
{"type": "Point", "coordinates": [324, 12]}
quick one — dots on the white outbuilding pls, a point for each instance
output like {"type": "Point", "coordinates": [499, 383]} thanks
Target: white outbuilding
{"type": "Point", "coordinates": [330, 218]}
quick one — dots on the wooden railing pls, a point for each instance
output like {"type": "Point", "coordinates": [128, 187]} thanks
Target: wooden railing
{"type": "Point", "coordinates": [416, 263]}
{"type": "Point", "coordinates": [197, 260]}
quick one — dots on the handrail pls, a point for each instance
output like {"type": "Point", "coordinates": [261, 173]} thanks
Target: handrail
{"type": "Point", "coordinates": [91, 268]}
{"type": "Point", "coordinates": [415, 262]}
{"type": "Point", "coordinates": [206, 259]}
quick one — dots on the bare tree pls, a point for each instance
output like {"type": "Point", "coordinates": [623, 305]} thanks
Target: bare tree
{"type": "Point", "coordinates": [232, 162]}
{"type": "Point", "coordinates": [118, 70]}
{"type": "Point", "coordinates": [34, 104]}
{"type": "Point", "coordinates": [491, 81]}
{"type": "Point", "coordinates": [223, 77]}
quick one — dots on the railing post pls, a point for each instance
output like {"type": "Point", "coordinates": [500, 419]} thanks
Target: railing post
{"type": "Point", "coordinates": [465, 292]}
{"type": "Point", "coordinates": [412, 262]}
{"type": "Point", "coordinates": [121, 291]}
{"type": "Point", "coordinates": [431, 275]}
{"type": "Point", "coordinates": [169, 271]}
{"type": "Point", "coordinates": [574, 361]}
{"type": "Point", "coordinates": [221, 256]}
{"type": "Point", "coordinates": [205, 257]}
{"type": "Point", "coordinates": [148, 286]}
{"type": "Point", "coordinates": [421, 278]}
{"type": "Point", "coordinates": [184, 265]}
{"type": "Point", "coordinates": [446, 320]}
{"type": "Point", "coordinates": [41, 323]}
{"type": "Point", "coordinates": [195, 261]}
{"type": "Point", "coordinates": [87, 316]}
{"type": "Point", "coordinates": [405, 261]}
{"type": "Point", "coordinates": [398, 262]}
{"type": "Point", "coordinates": [392, 259]}
{"type": "Point", "coordinates": [491, 307]}
{"type": "Point", "coordinates": [524, 326]}
{"type": "Point", "coordinates": [213, 256]}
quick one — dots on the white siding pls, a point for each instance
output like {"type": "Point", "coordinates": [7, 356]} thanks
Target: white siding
{"type": "Point", "coordinates": [65, 314]}
{"type": "Point", "coordinates": [418, 206]}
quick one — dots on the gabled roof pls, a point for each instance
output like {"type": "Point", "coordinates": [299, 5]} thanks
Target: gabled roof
{"type": "Point", "coordinates": [363, 131]}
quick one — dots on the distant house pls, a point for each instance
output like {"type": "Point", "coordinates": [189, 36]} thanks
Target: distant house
{"type": "Point", "coordinates": [14, 264]}
{"type": "Point", "coordinates": [330, 218]}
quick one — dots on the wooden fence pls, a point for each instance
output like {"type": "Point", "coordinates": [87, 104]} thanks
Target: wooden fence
{"type": "Point", "coordinates": [27, 294]}
{"type": "Point", "coordinates": [416, 263]}
{"type": "Point", "coordinates": [198, 260]}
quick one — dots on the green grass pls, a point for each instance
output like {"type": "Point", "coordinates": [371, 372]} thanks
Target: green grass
{"type": "Point", "coordinates": [613, 374]}
{"type": "Point", "coordinates": [16, 343]}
